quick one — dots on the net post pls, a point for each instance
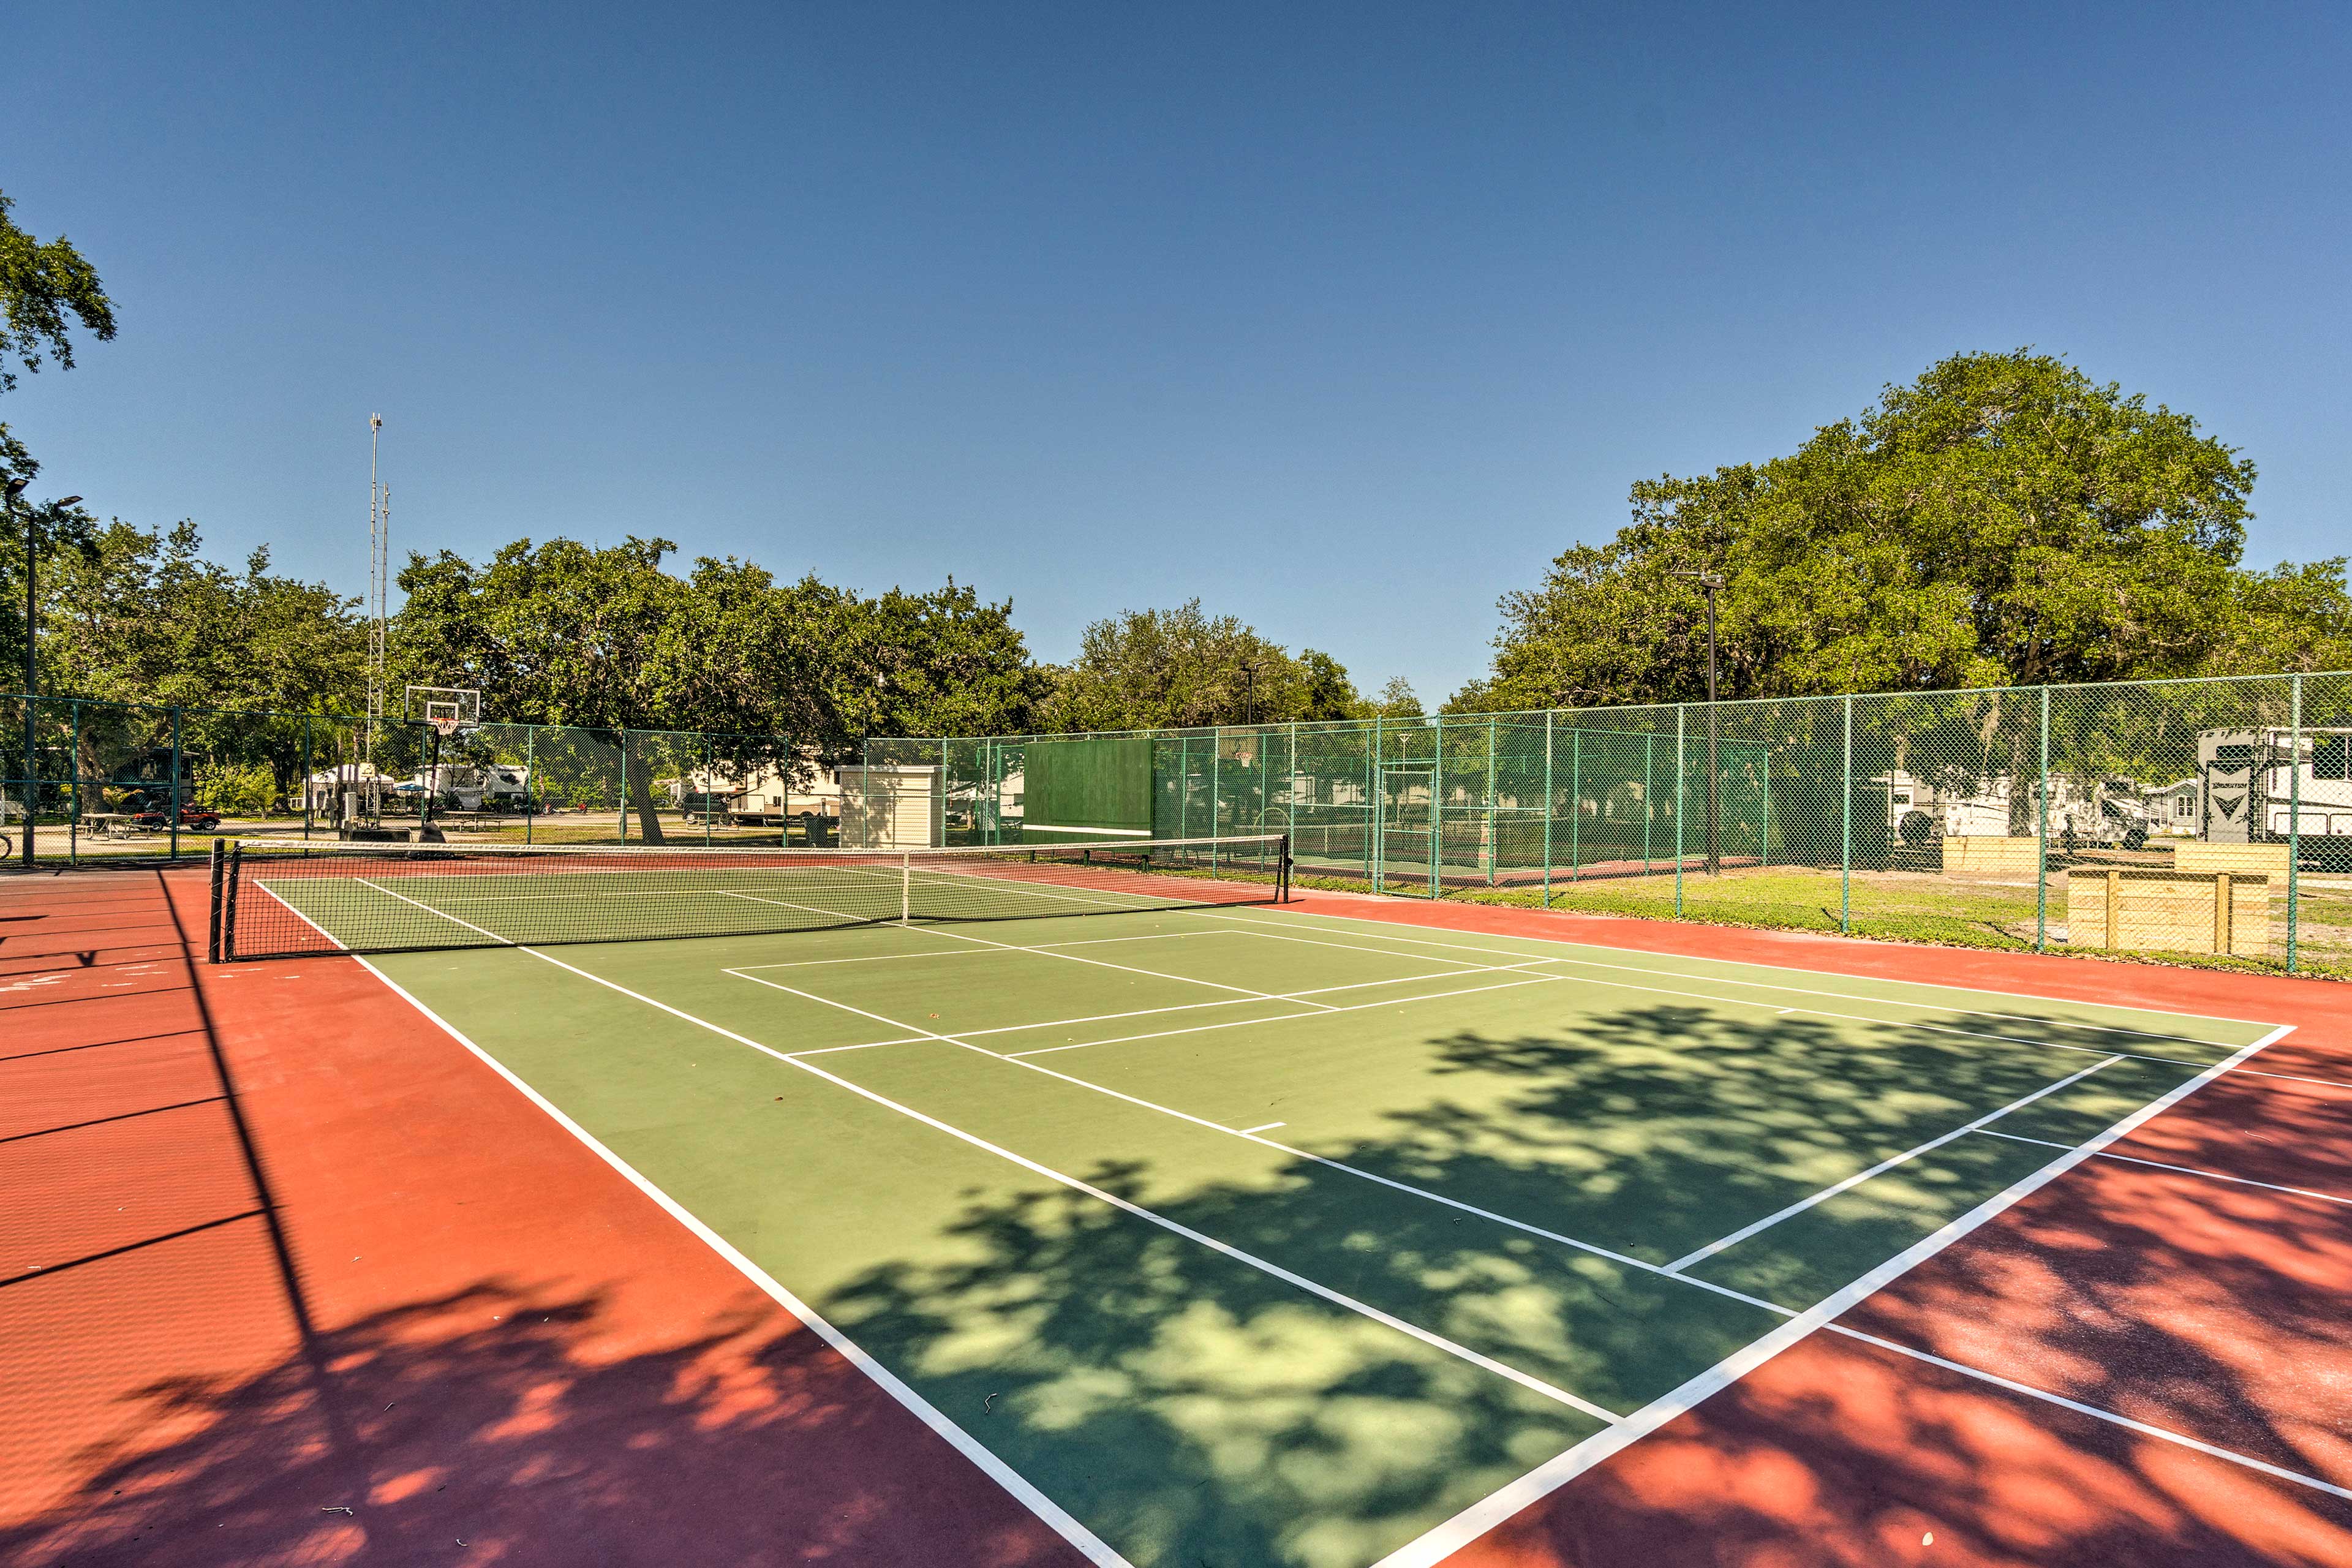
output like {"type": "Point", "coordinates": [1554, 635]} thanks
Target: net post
{"type": "Point", "coordinates": [2041, 838]}
{"type": "Point", "coordinates": [2294, 814]}
{"type": "Point", "coordinates": [1845, 826]}
{"type": "Point", "coordinates": [906, 888]}
{"type": "Point", "coordinates": [213, 923]}
{"type": "Point", "coordinates": [1281, 873]}
{"type": "Point", "coordinates": [231, 876]}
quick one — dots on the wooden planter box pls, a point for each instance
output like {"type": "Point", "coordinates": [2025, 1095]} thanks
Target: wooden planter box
{"type": "Point", "coordinates": [1991, 854]}
{"type": "Point", "coordinates": [2209, 858]}
{"type": "Point", "coordinates": [2126, 908]}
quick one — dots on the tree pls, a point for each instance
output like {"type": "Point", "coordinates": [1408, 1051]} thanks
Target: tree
{"type": "Point", "coordinates": [132, 615]}
{"type": "Point", "coordinates": [1146, 670]}
{"type": "Point", "coordinates": [39, 285]}
{"type": "Point", "coordinates": [1329, 693]}
{"type": "Point", "coordinates": [2004, 521]}
{"type": "Point", "coordinates": [604, 639]}
{"type": "Point", "coordinates": [942, 663]}
{"type": "Point", "coordinates": [1396, 700]}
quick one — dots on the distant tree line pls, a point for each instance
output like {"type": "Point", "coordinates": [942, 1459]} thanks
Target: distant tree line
{"type": "Point", "coordinates": [2002, 520]}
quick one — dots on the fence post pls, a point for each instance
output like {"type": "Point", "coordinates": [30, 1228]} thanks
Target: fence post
{"type": "Point", "coordinates": [625, 786]}
{"type": "Point", "coordinates": [1576, 805]}
{"type": "Point", "coordinates": [1490, 802]}
{"type": "Point", "coordinates": [530, 779]}
{"type": "Point", "coordinates": [1682, 711]}
{"type": "Point", "coordinates": [2041, 838]}
{"type": "Point", "coordinates": [1845, 825]}
{"type": "Point", "coordinates": [1649, 797]}
{"type": "Point", "coordinates": [1437, 809]}
{"type": "Point", "coordinates": [73, 791]}
{"type": "Point", "coordinates": [1373, 792]}
{"type": "Point", "coordinates": [1548, 805]}
{"type": "Point", "coordinates": [306, 778]}
{"type": "Point", "coordinates": [176, 792]}
{"type": "Point", "coordinates": [2294, 814]}
{"type": "Point", "coordinates": [1216, 756]}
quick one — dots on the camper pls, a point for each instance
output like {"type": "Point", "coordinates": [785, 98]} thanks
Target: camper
{"type": "Point", "coordinates": [2259, 786]}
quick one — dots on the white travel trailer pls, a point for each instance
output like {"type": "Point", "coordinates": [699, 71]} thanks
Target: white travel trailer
{"type": "Point", "coordinates": [2257, 786]}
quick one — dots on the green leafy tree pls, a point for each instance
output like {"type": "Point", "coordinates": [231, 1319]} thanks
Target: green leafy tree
{"type": "Point", "coordinates": [40, 286]}
{"type": "Point", "coordinates": [1328, 692]}
{"type": "Point", "coordinates": [602, 638]}
{"type": "Point", "coordinates": [1171, 669]}
{"type": "Point", "coordinates": [941, 663]}
{"type": "Point", "coordinates": [2004, 521]}
{"type": "Point", "coordinates": [137, 616]}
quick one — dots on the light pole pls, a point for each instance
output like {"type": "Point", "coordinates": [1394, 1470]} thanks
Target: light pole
{"type": "Point", "coordinates": [1249, 690]}
{"type": "Point", "coordinates": [16, 489]}
{"type": "Point", "coordinates": [1711, 584]}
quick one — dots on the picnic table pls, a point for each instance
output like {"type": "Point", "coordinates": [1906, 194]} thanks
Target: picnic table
{"type": "Point", "coordinates": [111, 824]}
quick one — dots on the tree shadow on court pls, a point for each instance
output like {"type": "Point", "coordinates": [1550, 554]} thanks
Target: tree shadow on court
{"type": "Point", "coordinates": [495, 1424]}
{"type": "Point", "coordinates": [1218, 1415]}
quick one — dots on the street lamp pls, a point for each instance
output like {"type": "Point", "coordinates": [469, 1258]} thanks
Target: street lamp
{"type": "Point", "coordinates": [16, 490]}
{"type": "Point", "coordinates": [1249, 668]}
{"type": "Point", "coordinates": [1711, 584]}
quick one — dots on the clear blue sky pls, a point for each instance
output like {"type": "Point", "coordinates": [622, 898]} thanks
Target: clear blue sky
{"type": "Point", "coordinates": [1345, 319]}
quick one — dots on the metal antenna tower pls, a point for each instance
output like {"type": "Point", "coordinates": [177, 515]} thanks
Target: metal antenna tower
{"type": "Point", "coordinates": [379, 566]}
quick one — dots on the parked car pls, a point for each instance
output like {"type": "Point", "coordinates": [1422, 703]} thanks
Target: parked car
{"type": "Point", "coordinates": [159, 817]}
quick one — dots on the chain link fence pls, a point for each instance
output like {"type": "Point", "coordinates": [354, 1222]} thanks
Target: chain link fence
{"type": "Point", "coordinates": [2206, 821]}
{"type": "Point", "coordinates": [112, 782]}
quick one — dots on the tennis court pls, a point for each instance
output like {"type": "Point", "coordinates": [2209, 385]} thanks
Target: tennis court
{"type": "Point", "coordinates": [1215, 1231]}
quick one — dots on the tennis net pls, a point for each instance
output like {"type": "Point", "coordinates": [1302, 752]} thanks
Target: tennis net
{"type": "Point", "coordinates": [276, 898]}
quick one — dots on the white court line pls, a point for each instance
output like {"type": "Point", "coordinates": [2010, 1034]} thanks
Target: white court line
{"type": "Point", "coordinates": [2142, 1427]}
{"type": "Point", "coordinates": [1287, 1018]}
{"type": "Point", "coordinates": [962, 952]}
{"type": "Point", "coordinates": [1055, 1517]}
{"type": "Point", "coordinates": [1855, 1018]}
{"type": "Point", "coordinates": [1800, 990]}
{"type": "Point", "coordinates": [745, 973]}
{"type": "Point", "coordinates": [1129, 968]}
{"type": "Point", "coordinates": [1262, 1127]}
{"type": "Point", "coordinates": [1436, 1341]}
{"type": "Point", "coordinates": [1800, 1205]}
{"type": "Point", "coordinates": [1547, 1478]}
{"type": "Point", "coordinates": [2183, 1170]}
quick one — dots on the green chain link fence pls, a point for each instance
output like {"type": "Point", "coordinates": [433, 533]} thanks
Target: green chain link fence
{"type": "Point", "coordinates": [2202, 820]}
{"type": "Point", "coordinates": [108, 781]}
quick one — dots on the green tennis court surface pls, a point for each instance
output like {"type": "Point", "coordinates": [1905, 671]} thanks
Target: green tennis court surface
{"type": "Point", "coordinates": [1244, 1235]}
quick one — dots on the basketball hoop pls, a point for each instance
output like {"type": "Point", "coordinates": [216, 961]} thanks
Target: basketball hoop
{"type": "Point", "coordinates": [449, 709]}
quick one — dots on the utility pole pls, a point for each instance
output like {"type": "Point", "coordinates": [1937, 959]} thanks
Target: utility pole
{"type": "Point", "coordinates": [379, 565]}
{"type": "Point", "coordinates": [32, 788]}
{"type": "Point", "coordinates": [1711, 584]}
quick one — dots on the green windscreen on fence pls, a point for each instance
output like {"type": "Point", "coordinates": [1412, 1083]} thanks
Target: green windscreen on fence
{"type": "Point", "coordinates": [1093, 790]}
{"type": "Point", "coordinates": [2183, 817]}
